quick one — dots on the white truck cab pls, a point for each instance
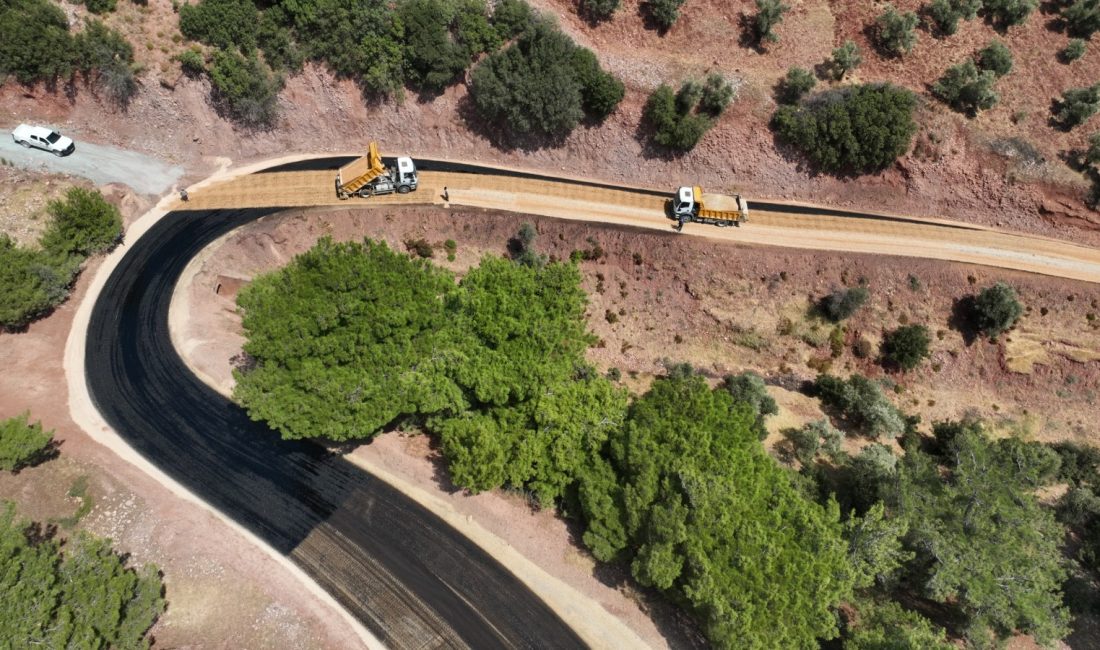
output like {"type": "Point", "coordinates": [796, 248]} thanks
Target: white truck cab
{"type": "Point", "coordinates": [42, 138]}
{"type": "Point", "coordinates": [406, 175]}
{"type": "Point", "coordinates": [684, 202]}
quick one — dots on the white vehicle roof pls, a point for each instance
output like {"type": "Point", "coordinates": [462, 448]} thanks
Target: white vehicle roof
{"type": "Point", "coordinates": [686, 195]}
{"type": "Point", "coordinates": [405, 165]}
{"type": "Point", "coordinates": [25, 129]}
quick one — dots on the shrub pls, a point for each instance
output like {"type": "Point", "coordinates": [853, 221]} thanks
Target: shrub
{"type": "Point", "coordinates": [1077, 105]}
{"type": "Point", "coordinates": [858, 129]}
{"type": "Point", "coordinates": [36, 43]}
{"type": "Point", "coordinates": [83, 224]}
{"type": "Point", "coordinates": [995, 58]}
{"type": "Point", "coordinates": [894, 31]}
{"type": "Point", "coordinates": [433, 55]}
{"type": "Point", "coordinates": [1082, 17]}
{"type": "Point", "coordinates": [105, 57]}
{"type": "Point", "coordinates": [511, 18]}
{"type": "Point", "coordinates": [31, 283]}
{"type": "Point", "coordinates": [748, 388]}
{"type": "Point", "coordinates": [1092, 154]}
{"type": "Point", "coordinates": [540, 85]}
{"type": "Point", "coordinates": [281, 51]}
{"type": "Point", "coordinates": [945, 14]}
{"type": "Point", "coordinates": [420, 247]}
{"type": "Point", "coordinates": [191, 62]}
{"type": "Point", "coordinates": [797, 83]}
{"type": "Point", "coordinates": [861, 403]}
{"type": "Point", "coordinates": [1074, 50]}
{"type": "Point", "coordinates": [966, 89]}
{"type": "Point", "coordinates": [1006, 13]}
{"type": "Point", "coordinates": [674, 123]}
{"type": "Point", "coordinates": [842, 303]}
{"type": "Point", "coordinates": [663, 12]}
{"type": "Point", "coordinates": [224, 24]}
{"type": "Point", "coordinates": [21, 443]}
{"type": "Point", "coordinates": [77, 595]}
{"type": "Point", "coordinates": [906, 346]}
{"type": "Point", "coordinates": [597, 10]}
{"type": "Point", "coordinates": [100, 6]}
{"type": "Point", "coordinates": [245, 88]}
{"type": "Point", "coordinates": [996, 309]}
{"type": "Point", "coordinates": [716, 96]}
{"type": "Point", "coordinates": [845, 59]}
{"type": "Point", "coordinates": [601, 91]}
{"type": "Point", "coordinates": [769, 13]}
{"type": "Point", "coordinates": [362, 41]}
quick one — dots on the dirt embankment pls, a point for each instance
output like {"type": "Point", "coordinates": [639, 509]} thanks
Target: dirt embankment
{"type": "Point", "coordinates": [723, 307]}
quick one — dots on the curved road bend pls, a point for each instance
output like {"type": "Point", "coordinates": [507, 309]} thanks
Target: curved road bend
{"type": "Point", "coordinates": [410, 578]}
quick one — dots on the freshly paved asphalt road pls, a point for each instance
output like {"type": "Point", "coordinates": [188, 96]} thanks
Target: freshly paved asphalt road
{"type": "Point", "coordinates": [99, 163]}
{"type": "Point", "coordinates": [410, 578]}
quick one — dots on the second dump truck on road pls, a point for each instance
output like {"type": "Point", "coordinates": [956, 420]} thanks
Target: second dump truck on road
{"type": "Point", "coordinates": [692, 205]}
{"type": "Point", "coordinates": [364, 177]}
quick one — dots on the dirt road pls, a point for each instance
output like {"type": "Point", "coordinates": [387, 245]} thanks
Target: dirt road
{"type": "Point", "coordinates": [98, 163]}
{"type": "Point", "coordinates": [792, 226]}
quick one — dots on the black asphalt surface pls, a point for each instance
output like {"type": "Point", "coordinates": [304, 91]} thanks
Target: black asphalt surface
{"type": "Point", "coordinates": [409, 577]}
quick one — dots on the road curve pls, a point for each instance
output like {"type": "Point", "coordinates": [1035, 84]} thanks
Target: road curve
{"type": "Point", "coordinates": [410, 578]}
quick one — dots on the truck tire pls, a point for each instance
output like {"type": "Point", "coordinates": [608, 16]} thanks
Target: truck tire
{"type": "Point", "coordinates": [365, 193]}
{"type": "Point", "coordinates": [404, 189]}
{"type": "Point", "coordinates": [59, 153]}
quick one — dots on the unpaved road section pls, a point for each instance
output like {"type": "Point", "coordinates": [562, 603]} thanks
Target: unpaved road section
{"type": "Point", "coordinates": [776, 224]}
{"type": "Point", "coordinates": [98, 163]}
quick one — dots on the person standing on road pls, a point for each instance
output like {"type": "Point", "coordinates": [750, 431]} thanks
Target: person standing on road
{"type": "Point", "coordinates": [183, 195]}
{"type": "Point", "coordinates": [446, 197]}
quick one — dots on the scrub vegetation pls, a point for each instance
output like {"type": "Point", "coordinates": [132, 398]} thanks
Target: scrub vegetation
{"type": "Point", "coordinates": [35, 280]}
{"type": "Point", "coordinates": [674, 483]}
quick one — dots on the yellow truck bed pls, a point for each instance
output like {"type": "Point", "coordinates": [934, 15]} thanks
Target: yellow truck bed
{"type": "Point", "coordinates": [357, 173]}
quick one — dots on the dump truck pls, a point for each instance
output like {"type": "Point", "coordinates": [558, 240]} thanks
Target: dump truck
{"type": "Point", "coordinates": [366, 176]}
{"type": "Point", "coordinates": [691, 204]}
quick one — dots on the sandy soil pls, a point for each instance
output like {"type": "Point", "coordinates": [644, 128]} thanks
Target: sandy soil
{"type": "Point", "coordinates": [723, 307]}
{"type": "Point", "coordinates": [221, 594]}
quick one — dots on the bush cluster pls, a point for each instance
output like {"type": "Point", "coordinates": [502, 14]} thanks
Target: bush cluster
{"type": "Point", "coordinates": [858, 129]}
{"type": "Point", "coordinates": [1077, 105]}
{"type": "Point", "coordinates": [769, 13]}
{"type": "Point", "coordinates": [840, 304]}
{"type": "Point", "coordinates": [966, 88]}
{"type": "Point", "coordinates": [1082, 17]}
{"type": "Point", "coordinates": [1006, 13]}
{"type": "Point", "coordinates": [945, 14]}
{"type": "Point", "coordinates": [37, 46]}
{"type": "Point", "coordinates": [861, 403]}
{"type": "Point", "coordinates": [543, 84]}
{"type": "Point", "coordinates": [894, 31]}
{"type": "Point", "coordinates": [663, 13]}
{"type": "Point", "coordinates": [35, 280]}
{"type": "Point", "coordinates": [906, 346]}
{"type": "Point", "coordinates": [245, 88]}
{"type": "Point", "coordinates": [996, 309]}
{"type": "Point", "coordinates": [21, 443]}
{"type": "Point", "coordinates": [845, 58]}
{"type": "Point", "coordinates": [797, 83]}
{"type": "Point", "coordinates": [679, 120]}
{"type": "Point", "coordinates": [77, 595]}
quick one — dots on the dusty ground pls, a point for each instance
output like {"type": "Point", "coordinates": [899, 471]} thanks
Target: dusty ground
{"type": "Point", "coordinates": [222, 594]}
{"type": "Point", "coordinates": [1001, 168]}
{"type": "Point", "coordinates": [24, 197]}
{"type": "Point", "coordinates": [724, 308]}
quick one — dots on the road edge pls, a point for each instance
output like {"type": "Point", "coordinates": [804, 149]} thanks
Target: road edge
{"type": "Point", "coordinates": [85, 415]}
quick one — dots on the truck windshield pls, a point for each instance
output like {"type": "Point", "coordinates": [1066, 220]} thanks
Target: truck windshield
{"type": "Point", "coordinates": [53, 137]}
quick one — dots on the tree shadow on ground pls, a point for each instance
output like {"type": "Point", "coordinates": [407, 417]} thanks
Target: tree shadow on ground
{"type": "Point", "coordinates": [962, 319]}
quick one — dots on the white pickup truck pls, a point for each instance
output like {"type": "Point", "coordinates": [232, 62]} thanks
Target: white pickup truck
{"type": "Point", "coordinates": [43, 138]}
